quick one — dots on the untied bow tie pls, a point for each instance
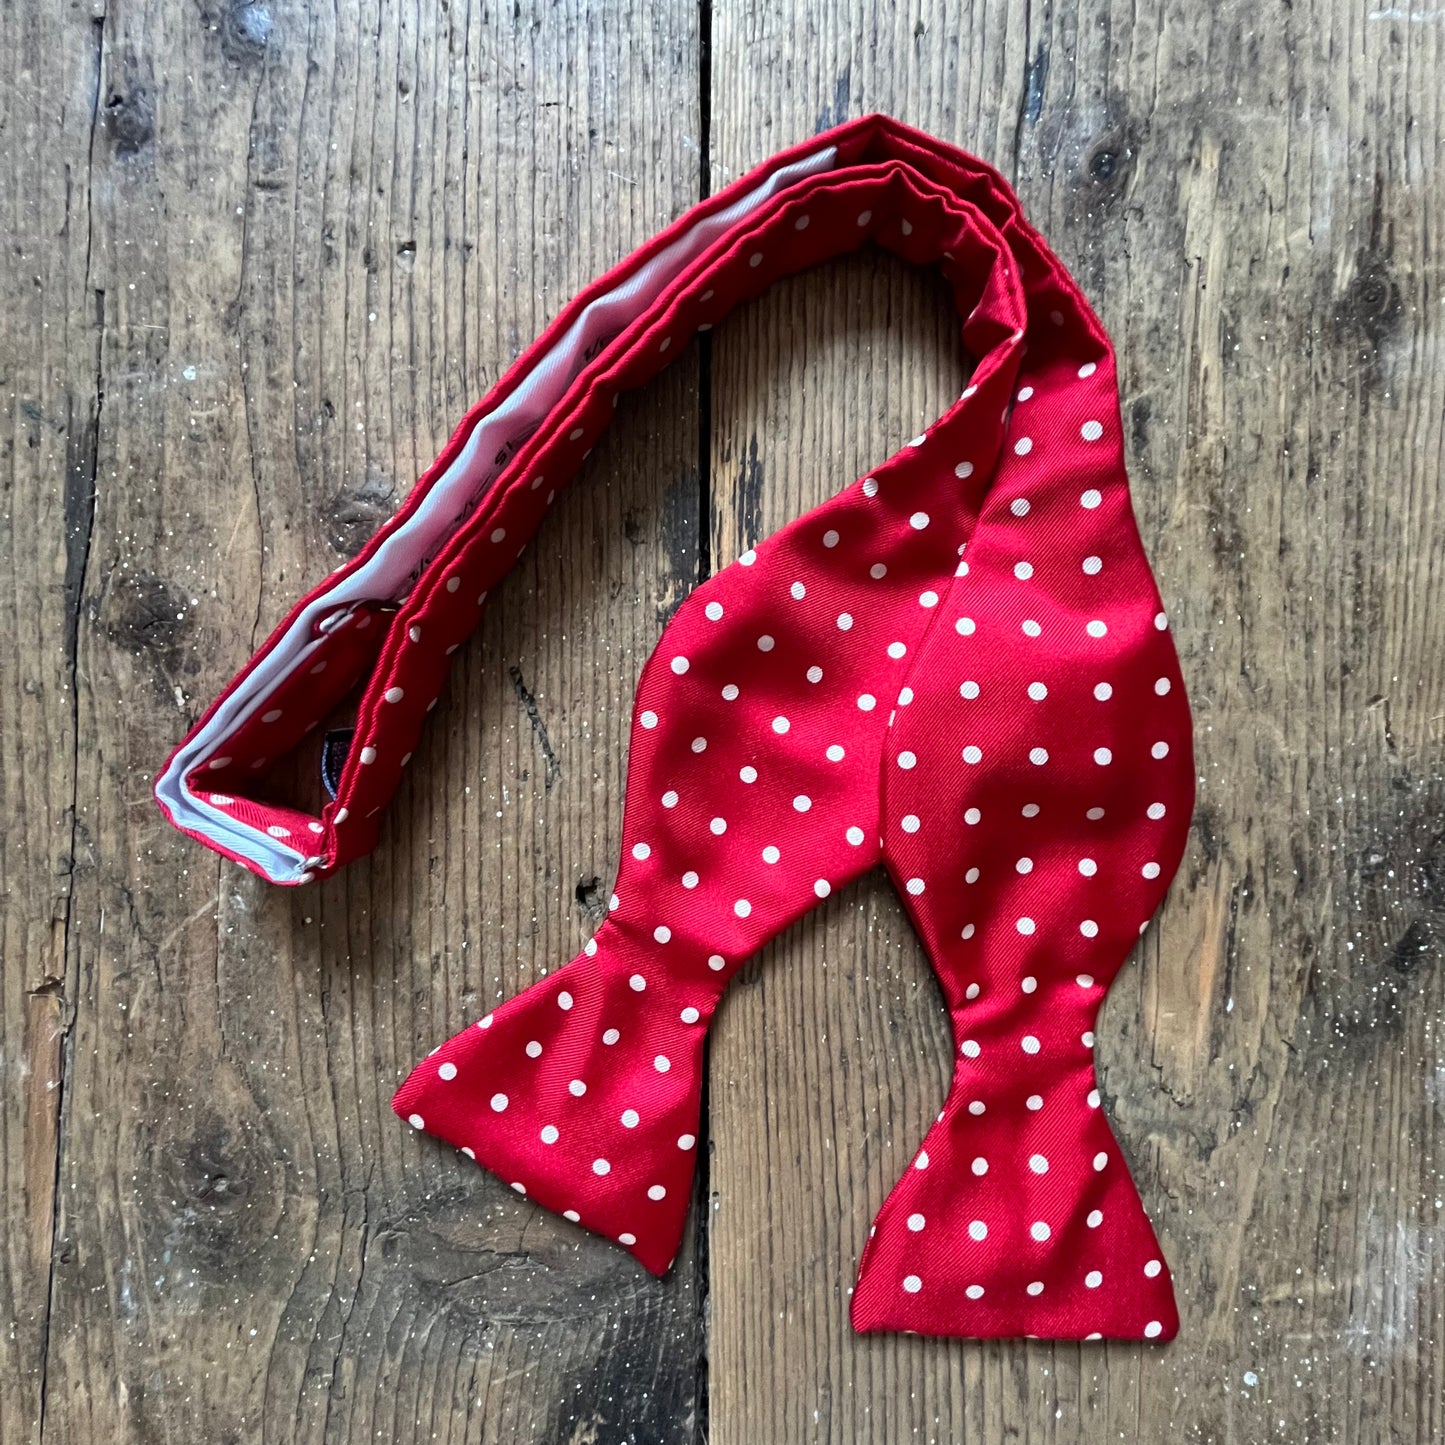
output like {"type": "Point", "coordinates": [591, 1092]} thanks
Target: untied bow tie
{"type": "Point", "coordinates": [959, 665]}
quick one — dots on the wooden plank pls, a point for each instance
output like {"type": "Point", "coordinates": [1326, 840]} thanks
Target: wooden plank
{"type": "Point", "coordinates": [49, 381]}
{"type": "Point", "coordinates": [1253, 208]}
{"type": "Point", "coordinates": [321, 231]}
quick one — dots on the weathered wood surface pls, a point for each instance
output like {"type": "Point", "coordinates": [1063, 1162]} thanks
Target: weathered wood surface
{"type": "Point", "coordinates": [258, 258]}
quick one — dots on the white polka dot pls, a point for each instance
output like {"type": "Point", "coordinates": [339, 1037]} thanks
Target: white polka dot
{"type": "Point", "coordinates": [628, 1239]}
{"type": "Point", "coordinates": [1161, 621]}
{"type": "Point", "coordinates": [971, 754]}
{"type": "Point", "coordinates": [1030, 628]}
{"type": "Point", "coordinates": [719, 826]}
{"type": "Point", "coordinates": [499, 1103]}
{"type": "Point", "coordinates": [1103, 691]}
{"type": "Point", "coordinates": [1089, 928]}
{"type": "Point", "coordinates": [1103, 757]}
{"type": "Point", "coordinates": [1153, 1330]}
{"type": "Point", "coordinates": [979, 1166]}
{"type": "Point", "coordinates": [912, 1283]}
{"type": "Point", "coordinates": [835, 753]}
{"type": "Point", "coordinates": [798, 591]}
{"type": "Point", "coordinates": [1038, 756]}
{"type": "Point", "coordinates": [748, 774]}
{"type": "Point", "coordinates": [641, 852]}
{"type": "Point", "coordinates": [845, 621]}
{"type": "Point", "coordinates": [918, 521]}
{"type": "Point", "coordinates": [965, 626]}
{"type": "Point", "coordinates": [974, 1291]}
{"type": "Point", "coordinates": [1023, 571]}
{"type": "Point", "coordinates": [1034, 1103]}
{"type": "Point", "coordinates": [1159, 750]}
{"type": "Point", "coordinates": [417, 1122]}
{"type": "Point", "coordinates": [1091, 431]}
{"type": "Point", "coordinates": [742, 908]}
{"type": "Point", "coordinates": [1094, 814]}
{"type": "Point", "coordinates": [756, 259]}
{"type": "Point", "coordinates": [277, 831]}
{"type": "Point", "coordinates": [447, 1071]}
{"type": "Point", "coordinates": [822, 888]}
{"type": "Point", "coordinates": [689, 1015]}
{"type": "Point", "coordinates": [1093, 1279]}
{"type": "Point", "coordinates": [918, 440]}
{"type": "Point", "coordinates": [610, 1037]}
{"type": "Point", "coordinates": [1087, 370]}
{"type": "Point", "coordinates": [577, 1088]}
{"type": "Point", "coordinates": [968, 932]}
{"type": "Point", "coordinates": [1036, 1288]}
{"type": "Point", "coordinates": [1029, 1044]}
{"type": "Point", "coordinates": [270, 717]}
{"type": "Point", "coordinates": [680, 665]}
{"type": "Point", "coordinates": [802, 802]}
{"type": "Point", "coordinates": [1088, 867]}
{"type": "Point", "coordinates": [1039, 1164]}
{"type": "Point", "coordinates": [1029, 985]}
{"type": "Point", "coordinates": [453, 584]}
{"type": "Point", "coordinates": [870, 486]}
{"type": "Point", "coordinates": [368, 755]}
{"type": "Point", "coordinates": [970, 1049]}
{"type": "Point", "coordinates": [549, 1134]}
{"type": "Point", "coordinates": [1093, 1098]}
{"type": "Point", "coordinates": [601, 1166]}
{"type": "Point", "coordinates": [748, 557]}
{"type": "Point", "coordinates": [690, 879]}
{"type": "Point", "coordinates": [699, 745]}
{"type": "Point", "coordinates": [713, 611]}
{"type": "Point", "coordinates": [1024, 865]}
{"type": "Point", "coordinates": [830, 539]}
{"type": "Point", "coordinates": [662, 933]}
{"type": "Point", "coordinates": [630, 1118]}
{"type": "Point", "coordinates": [968, 690]}
{"type": "Point", "coordinates": [971, 876]}
{"type": "Point", "coordinates": [972, 816]}
{"type": "Point", "coordinates": [1040, 1230]}
{"type": "Point", "coordinates": [716, 962]}
{"type": "Point", "coordinates": [648, 719]}
{"type": "Point", "coordinates": [781, 725]}
{"type": "Point", "coordinates": [1030, 810]}
{"type": "Point", "coordinates": [669, 798]}
{"type": "Point", "coordinates": [922, 1161]}
{"type": "Point", "coordinates": [978, 1230]}
{"type": "Point", "coordinates": [662, 1063]}
{"type": "Point", "coordinates": [916, 886]}
{"type": "Point", "coordinates": [1091, 499]}
{"type": "Point", "coordinates": [1038, 691]}
{"type": "Point", "coordinates": [977, 1107]}
{"type": "Point", "coordinates": [1150, 870]}
{"type": "Point", "coordinates": [877, 571]}
{"type": "Point", "coordinates": [686, 1141]}
{"type": "Point", "coordinates": [1023, 446]}
{"type": "Point", "coordinates": [656, 1192]}
{"type": "Point", "coordinates": [1100, 1160]}
{"type": "Point", "coordinates": [916, 1222]}
{"type": "Point", "coordinates": [907, 760]}
{"type": "Point", "coordinates": [765, 643]}
{"type": "Point", "coordinates": [771, 854]}
{"type": "Point", "coordinates": [854, 836]}
{"type": "Point", "coordinates": [637, 983]}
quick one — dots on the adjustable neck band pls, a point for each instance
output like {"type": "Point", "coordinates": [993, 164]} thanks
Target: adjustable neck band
{"type": "Point", "coordinates": [469, 516]}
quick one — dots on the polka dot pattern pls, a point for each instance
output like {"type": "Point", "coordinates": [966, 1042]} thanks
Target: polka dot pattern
{"type": "Point", "coordinates": [988, 577]}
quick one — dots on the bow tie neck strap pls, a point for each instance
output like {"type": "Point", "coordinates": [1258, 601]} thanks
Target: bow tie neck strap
{"type": "Point", "coordinates": [957, 666]}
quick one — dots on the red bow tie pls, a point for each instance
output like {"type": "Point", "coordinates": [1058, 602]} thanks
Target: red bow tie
{"type": "Point", "coordinates": [958, 665]}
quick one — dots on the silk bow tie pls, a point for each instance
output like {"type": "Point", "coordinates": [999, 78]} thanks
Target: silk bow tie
{"type": "Point", "coordinates": [958, 666]}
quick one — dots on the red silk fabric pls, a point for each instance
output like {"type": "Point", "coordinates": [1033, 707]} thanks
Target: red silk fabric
{"type": "Point", "coordinates": [958, 666]}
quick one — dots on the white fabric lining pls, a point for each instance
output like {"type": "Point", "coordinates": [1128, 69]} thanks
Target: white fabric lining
{"type": "Point", "coordinates": [389, 572]}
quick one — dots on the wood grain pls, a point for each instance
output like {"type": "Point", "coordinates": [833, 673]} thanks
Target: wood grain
{"type": "Point", "coordinates": [1254, 204]}
{"type": "Point", "coordinates": [314, 235]}
{"type": "Point", "coordinates": [259, 258]}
